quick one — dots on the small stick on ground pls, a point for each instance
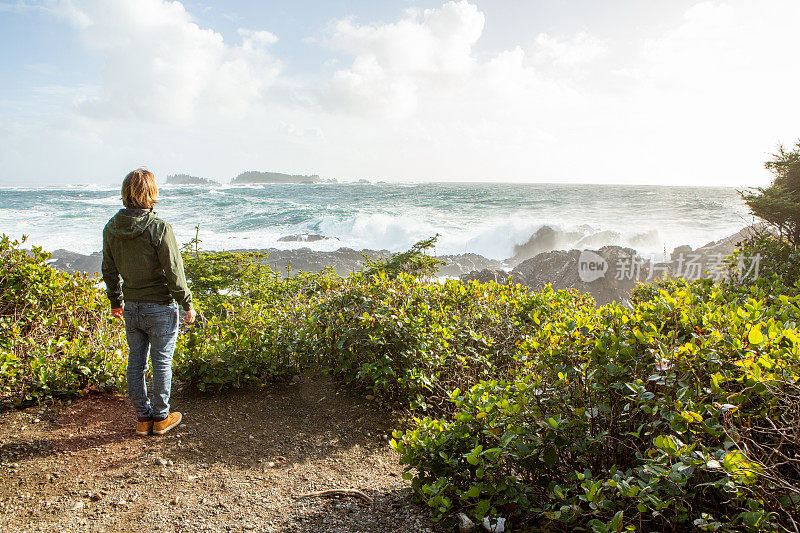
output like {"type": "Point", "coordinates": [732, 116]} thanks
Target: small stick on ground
{"type": "Point", "coordinates": [336, 492]}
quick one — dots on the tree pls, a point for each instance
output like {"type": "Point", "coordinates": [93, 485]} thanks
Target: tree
{"type": "Point", "coordinates": [415, 261]}
{"type": "Point", "coordinates": [779, 204]}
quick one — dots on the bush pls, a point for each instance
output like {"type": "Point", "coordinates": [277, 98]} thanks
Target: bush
{"type": "Point", "coordinates": [778, 265]}
{"type": "Point", "coordinates": [249, 348]}
{"type": "Point", "coordinates": [779, 204]}
{"type": "Point", "coordinates": [251, 330]}
{"type": "Point", "coordinates": [415, 262]}
{"type": "Point", "coordinates": [777, 238]}
{"type": "Point", "coordinates": [251, 343]}
{"type": "Point", "coordinates": [405, 340]}
{"type": "Point", "coordinates": [56, 335]}
{"type": "Point", "coordinates": [221, 279]}
{"type": "Point", "coordinates": [414, 342]}
{"type": "Point", "coordinates": [679, 413]}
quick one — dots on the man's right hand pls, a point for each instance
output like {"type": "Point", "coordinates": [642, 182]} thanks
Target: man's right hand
{"type": "Point", "coordinates": [190, 315]}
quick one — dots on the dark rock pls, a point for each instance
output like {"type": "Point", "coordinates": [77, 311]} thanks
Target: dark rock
{"type": "Point", "coordinates": [343, 261]}
{"type": "Point", "coordinates": [679, 251]}
{"type": "Point", "coordinates": [304, 237]}
{"type": "Point", "coordinates": [544, 240]}
{"type": "Point", "coordinates": [622, 267]}
{"type": "Point", "coordinates": [486, 275]}
{"type": "Point", "coordinates": [608, 274]}
{"type": "Point", "coordinates": [456, 265]}
{"type": "Point", "coordinates": [708, 260]}
{"type": "Point", "coordinates": [72, 262]}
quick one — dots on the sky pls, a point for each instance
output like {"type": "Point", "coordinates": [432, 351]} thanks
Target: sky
{"type": "Point", "coordinates": [683, 92]}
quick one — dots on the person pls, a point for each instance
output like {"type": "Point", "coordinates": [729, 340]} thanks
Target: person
{"type": "Point", "coordinates": [141, 248]}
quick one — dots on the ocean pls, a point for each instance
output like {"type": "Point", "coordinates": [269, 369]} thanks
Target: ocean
{"type": "Point", "coordinates": [489, 219]}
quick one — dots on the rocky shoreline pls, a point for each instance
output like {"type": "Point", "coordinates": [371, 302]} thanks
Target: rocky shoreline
{"type": "Point", "coordinates": [616, 269]}
{"type": "Point", "coordinates": [344, 261]}
{"type": "Point", "coordinates": [608, 273]}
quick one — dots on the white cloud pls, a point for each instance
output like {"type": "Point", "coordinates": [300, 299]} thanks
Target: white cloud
{"type": "Point", "coordinates": [460, 113]}
{"type": "Point", "coordinates": [716, 91]}
{"type": "Point", "coordinates": [700, 100]}
{"type": "Point", "coordinates": [425, 67]}
{"type": "Point", "coordinates": [21, 7]}
{"type": "Point", "coordinates": [575, 107]}
{"type": "Point", "coordinates": [572, 51]}
{"type": "Point", "coordinates": [393, 63]}
{"type": "Point", "coordinates": [314, 134]}
{"type": "Point", "coordinates": [161, 66]}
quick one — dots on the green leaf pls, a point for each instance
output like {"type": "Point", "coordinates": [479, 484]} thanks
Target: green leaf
{"type": "Point", "coordinates": [616, 522]}
{"type": "Point", "coordinates": [482, 508]}
{"type": "Point", "coordinates": [755, 336]}
{"type": "Point", "coordinates": [550, 456]}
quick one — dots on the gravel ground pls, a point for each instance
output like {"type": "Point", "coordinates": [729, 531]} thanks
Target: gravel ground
{"type": "Point", "coordinates": [238, 462]}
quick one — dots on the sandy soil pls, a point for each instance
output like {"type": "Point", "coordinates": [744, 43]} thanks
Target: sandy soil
{"type": "Point", "coordinates": [239, 461]}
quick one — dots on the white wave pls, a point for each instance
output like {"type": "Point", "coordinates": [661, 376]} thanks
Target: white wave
{"type": "Point", "coordinates": [495, 240]}
{"type": "Point", "coordinates": [376, 231]}
{"type": "Point", "coordinates": [389, 220]}
{"type": "Point", "coordinates": [500, 240]}
{"type": "Point", "coordinates": [48, 188]}
{"type": "Point", "coordinates": [58, 238]}
{"type": "Point", "coordinates": [107, 201]}
{"type": "Point", "coordinates": [253, 240]}
{"type": "Point", "coordinates": [89, 186]}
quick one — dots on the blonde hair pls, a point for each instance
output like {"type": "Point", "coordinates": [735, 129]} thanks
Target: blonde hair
{"type": "Point", "coordinates": [139, 190]}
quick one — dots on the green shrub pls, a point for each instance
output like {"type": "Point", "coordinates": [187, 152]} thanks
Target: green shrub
{"type": "Point", "coordinates": [415, 342]}
{"type": "Point", "coordinates": [249, 348]}
{"type": "Point", "coordinates": [779, 204]}
{"type": "Point", "coordinates": [221, 279]}
{"type": "Point", "coordinates": [56, 334]}
{"type": "Point", "coordinates": [251, 343]}
{"type": "Point", "coordinates": [414, 261]}
{"type": "Point", "coordinates": [253, 330]}
{"type": "Point", "coordinates": [681, 412]}
{"type": "Point", "coordinates": [778, 264]}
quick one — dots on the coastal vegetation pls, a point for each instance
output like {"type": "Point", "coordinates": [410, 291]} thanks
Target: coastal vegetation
{"type": "Point", "coordinates": [56, 335]}
{"type": "Point", "coordinates": [779, 204]}
{"type": "Point", "coordinates": [253, 176]}
{"type": "Point", "coordinates": [248, 178]}
{"type": "Point", "coordinates": [679, 410]}
{"type": "Point", "coordinates": [186, 179]}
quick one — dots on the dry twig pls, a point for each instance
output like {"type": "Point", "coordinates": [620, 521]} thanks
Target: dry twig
{"type": "Point", "coordinates": [336, 492]}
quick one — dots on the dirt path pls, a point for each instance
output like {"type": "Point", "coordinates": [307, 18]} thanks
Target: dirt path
{"type": "Point", "coordinates": [238, 462]}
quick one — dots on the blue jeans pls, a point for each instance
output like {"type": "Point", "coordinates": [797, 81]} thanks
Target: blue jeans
{"type": "Point", "coordinates": [153, 328]}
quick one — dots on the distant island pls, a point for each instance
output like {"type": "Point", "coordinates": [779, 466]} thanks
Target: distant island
{"type": "Point", "coordinates": [186, 179]}
{"type": "Point", "coordinates": [249, 177]}
{"type": "Point", "coordinates": [276, 177]}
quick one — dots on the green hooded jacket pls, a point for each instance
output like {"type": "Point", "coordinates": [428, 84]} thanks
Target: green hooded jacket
{"type": "Point", "coordinates": [141, 248]}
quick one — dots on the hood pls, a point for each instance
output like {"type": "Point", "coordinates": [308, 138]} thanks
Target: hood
{"type": "Point", "coordinates": [130, 223]}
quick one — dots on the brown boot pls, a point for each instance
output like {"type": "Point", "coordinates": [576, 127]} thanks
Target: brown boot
{"type": "Point", "coordinates": [144, 426]}
{"type": "Point", "coordinates": [162, 426]}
